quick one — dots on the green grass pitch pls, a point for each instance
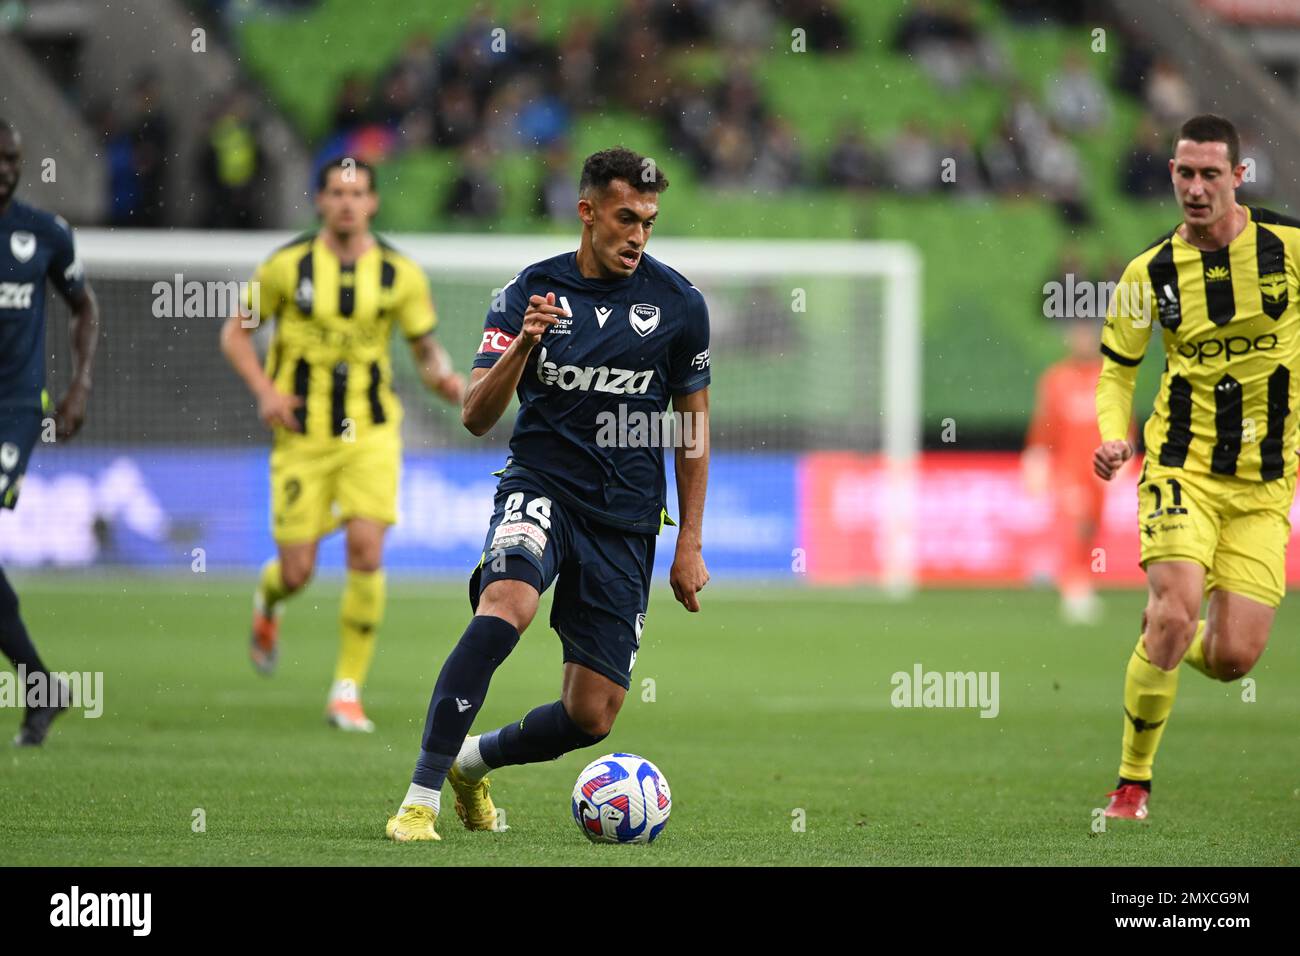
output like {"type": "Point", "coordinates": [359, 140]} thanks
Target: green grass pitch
{"type": "Point", "coordinates": [770, 705]}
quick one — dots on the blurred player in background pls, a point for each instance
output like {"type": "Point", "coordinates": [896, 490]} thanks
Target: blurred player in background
{"type": "Point", "coordinates": [603, 331]}
{"type": "Point", "coordinates": [326, 394]}
{"type": "Point", "coordinates": [34, 246]}
{"type": "Point", "coordinates": [1216, 488]}
{"type": "Point", "coordinates": [1057, 462]}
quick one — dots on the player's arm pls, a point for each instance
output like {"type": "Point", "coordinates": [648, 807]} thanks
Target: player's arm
{"type": "Point", "coordinates": [71, 409]}
{"type": "Point", "coordinates": [691, 460]}
{"type": "Point", "coordinates": [1123, 343]}
{"type": "Point", "coordinates": [69, 280]}
{"type": "Point", "coordinates": [1036, 459]}
{"type": "Point", "coordinates": [274, 407]}
{"type": "Point", "coordinates": [264, 298]}
{"type": "Point", "coordinates": [490, 389]}
{"type": "Point", "coordinates": [436, 370]}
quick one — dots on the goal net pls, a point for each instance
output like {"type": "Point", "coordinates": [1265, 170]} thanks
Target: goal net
{"type": "Point", "coordinates": [815, 411]}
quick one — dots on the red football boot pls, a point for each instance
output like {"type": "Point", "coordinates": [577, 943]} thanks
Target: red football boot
{"type": "Point", "coordinates": [1129, 802]}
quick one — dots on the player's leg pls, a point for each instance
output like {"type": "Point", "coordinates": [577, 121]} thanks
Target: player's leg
{"type": "Point", "coordinates": [366, 489]}
{"type": "Point", "coordinates": [360, 613]}
{"type": "Point", "coordinates": [16, 644]}
{"type": "Point", "coordinates": [1151, 678]}
{"type": "Point", "coordinates": [1080, 503]}
{"type": "Point", "coordinates": [521, 556]}
{"type": "Point", "coordinates": [302, 491]}
{"type": "Point", "coordinates": [598, 611]}
{"type": "Point", "coordinates": [1236, 632]}
{"type": "Point", "coordinates": [19, 431]}
{"type": "Point", "coordinates": [281, 577]}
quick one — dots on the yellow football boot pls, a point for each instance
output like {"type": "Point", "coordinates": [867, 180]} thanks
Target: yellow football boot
{"type": "Point", "coordinates": [473, 805]}
{"type": "Point", "coordinates": [413, 822]}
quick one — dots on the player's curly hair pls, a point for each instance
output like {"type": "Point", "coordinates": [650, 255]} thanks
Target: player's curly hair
{"type": "Point", "coordinates": [640, 172]}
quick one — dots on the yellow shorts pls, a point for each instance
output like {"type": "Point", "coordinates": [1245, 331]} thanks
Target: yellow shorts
{"type": "Point", "coordinates": [318, 484]}
{"type": "Point", "coordinates": [1236, 529]}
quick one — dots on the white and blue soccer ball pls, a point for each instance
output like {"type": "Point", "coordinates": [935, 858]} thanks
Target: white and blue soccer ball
{"type": "Point", "coordinates": [621, 798]}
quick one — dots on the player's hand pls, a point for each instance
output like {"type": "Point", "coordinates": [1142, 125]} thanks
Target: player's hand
{"type": "Point", "coordinates": [276, 410]}
{"type": "Point", "coordinates": [1110, 457]}
{"type": "Point", "coordinates": [70, 412]}
{"type": "Point", "coordinates": [451, 387]}
{"type": "Point", "coordinates": [688, 577]}
{"type": "Point", "coordinates": [539, 316]}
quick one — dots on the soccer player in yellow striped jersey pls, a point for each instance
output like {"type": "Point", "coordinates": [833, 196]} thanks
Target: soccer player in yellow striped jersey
{"type": "Point", "coordinates": [1219, 475]}
{"type": "Point", "coordinates": [325, 394]}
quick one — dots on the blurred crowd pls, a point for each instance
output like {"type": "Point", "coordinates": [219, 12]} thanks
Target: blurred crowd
{"type": "Point", "coordinates": [493, 88]}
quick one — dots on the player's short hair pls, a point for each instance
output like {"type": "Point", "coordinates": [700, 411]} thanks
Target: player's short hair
{"type": "Point", "coordinates": [345, 162]}
{"type": "Point", "coordinates": [1208, 128]}
{"type": "Point", "coordinates": [640, 172]}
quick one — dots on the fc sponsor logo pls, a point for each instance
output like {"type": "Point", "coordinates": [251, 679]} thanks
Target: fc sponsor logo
{"type": "Point", "coordinates": [495, 341]}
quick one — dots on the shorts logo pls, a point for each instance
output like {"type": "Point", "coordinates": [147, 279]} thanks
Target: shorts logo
{"type": "Point", "coordinates": [8, 456]}
{"type": "Point", "coordinates": [519, 534]}
{"type": "Point", "coordinates": [495, 341]}
{"type": "Point", "coordinates": [644, 318]}
{"type": "Point", "coordinates": [640, 626]}
{"type": "Point", "coordinates": [23, 245]}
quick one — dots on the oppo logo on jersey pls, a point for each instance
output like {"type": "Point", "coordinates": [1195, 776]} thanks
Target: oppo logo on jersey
{"type": "Point", "coordinates": [16, 295]}
{"type": "Point", "coordinates": [615, 381]}
{"type": "Point", "coordinates": [1227, 348]}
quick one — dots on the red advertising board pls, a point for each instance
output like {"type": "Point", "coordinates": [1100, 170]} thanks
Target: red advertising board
{"type": "Point", "coordinates": [975, 523]}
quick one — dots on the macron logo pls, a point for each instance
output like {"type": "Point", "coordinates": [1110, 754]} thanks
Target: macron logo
{"type": "Point", "coordinates": [462, 705]}
{"type": "Point", "coordinates": [103, 909]}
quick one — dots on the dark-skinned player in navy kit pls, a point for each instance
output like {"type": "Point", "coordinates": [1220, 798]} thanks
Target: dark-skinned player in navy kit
{"type": "Point", "coordinates": [35, 246]}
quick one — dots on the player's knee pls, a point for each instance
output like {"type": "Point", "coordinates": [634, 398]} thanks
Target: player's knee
{"type": "Point", "coordinates": [1170, 627]}
{"type": "Point", "coordinates": [512, 601]}
{"type": "Point", "coordinates": [595, 723]}
{"type": "Point", "coordinates": [1233, 663]}
{"type": "Point", "coordinates": [295, 574]}
{"type": "Point", "coordinates": [593, 715]}
{"type": "Point", "coordinates": [364, 555]}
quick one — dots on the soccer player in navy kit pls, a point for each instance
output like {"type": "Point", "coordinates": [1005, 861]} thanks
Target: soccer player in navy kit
{"type": "Point", "coordinates": [34, 246]}
{"type": "Point", "coordinates": [575, 337]}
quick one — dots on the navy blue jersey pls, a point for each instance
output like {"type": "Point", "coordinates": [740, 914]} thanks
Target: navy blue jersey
{"type": "Point", "coordinates": [34, 246]}
{"type": "Point", "coordinates": [625, 348]}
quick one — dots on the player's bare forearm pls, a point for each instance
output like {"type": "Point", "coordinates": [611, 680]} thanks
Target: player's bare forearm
{"type": "Point", "coordinates": [237, 346]}
{"type": "Point", "coordinates": [273, 407]}
{"type": "Point", "coordinates": [691, 458]}
{"type": "Point", "coordinates": [490, 390]}
{"type": "Point", "coordinates": [71, 410]}
{"type": "Point", "coordinates": [436, 370]}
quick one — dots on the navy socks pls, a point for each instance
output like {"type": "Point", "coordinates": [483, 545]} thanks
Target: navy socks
{"type": "Point", "coordinates": [545, 733]}
{"type": "Point", "coordinates": [459, 693]}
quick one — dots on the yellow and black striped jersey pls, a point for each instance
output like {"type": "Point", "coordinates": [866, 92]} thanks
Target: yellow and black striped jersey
{"type": "Point", "coordinates": [1231, 329]}
{"type": "Point", "coordinates": [333, 324]}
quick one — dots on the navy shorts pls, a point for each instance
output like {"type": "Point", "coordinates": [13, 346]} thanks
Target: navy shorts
{"type": "Point", "coordinates": [604, 573]}
{"type": "Point", "coordinates": [19, 429]}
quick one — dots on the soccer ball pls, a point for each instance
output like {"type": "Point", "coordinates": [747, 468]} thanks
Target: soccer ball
{"type": "Point", "coordinates": [621, 798]}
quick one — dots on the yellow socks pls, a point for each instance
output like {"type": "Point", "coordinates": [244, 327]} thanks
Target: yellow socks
{"type": "Point", "coordinates": [1195, 656]}
{"type": "Point", "coordinates": [270, 588]}
{"type": "Point", "coordinates": [361, 614]}
{"type": "Point", "coordinates": [1148, 701]}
